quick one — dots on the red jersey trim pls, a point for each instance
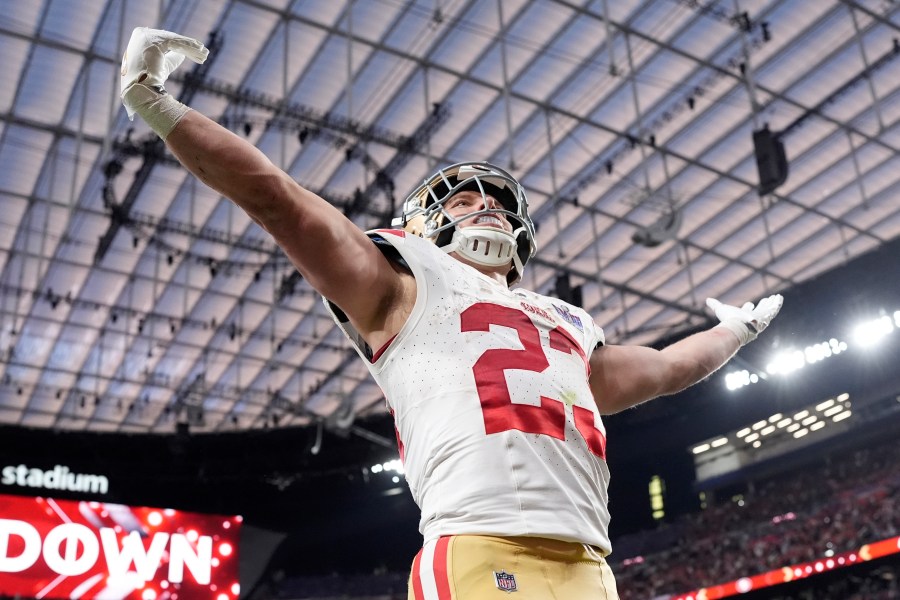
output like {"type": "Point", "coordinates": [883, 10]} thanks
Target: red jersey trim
{"type": "Point", "coordinates": [382, 350]}
{"type": "Point", "coordinates": [397, 232]}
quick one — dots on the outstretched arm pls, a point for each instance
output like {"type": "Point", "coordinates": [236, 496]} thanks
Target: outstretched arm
{"type": "Point", "coordinates": [329, 250]}
{"type": "Point", "coordinates": [624, 376]}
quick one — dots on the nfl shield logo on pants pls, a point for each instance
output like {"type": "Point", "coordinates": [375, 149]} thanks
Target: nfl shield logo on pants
{"type": "Point", "coordinates": [505, 581]}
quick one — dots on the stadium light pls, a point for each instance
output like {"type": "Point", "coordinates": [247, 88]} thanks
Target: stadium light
{"type": "Point", "coordinates": [825, 405]}
{"type": "Point", "coordinates": [701, 448]}
{"type": "Point", "coordinates": [786, 362]}
{"type": "Point", "coordinates": [841, 416]}
{"type": "Point", "coordinates": [864, 335]}
{"type": "Point", "coordinates": [738, 379]}
{"type": "Point", "coordinates": [833, 411]}
{"type": "Point", "coordinates": [778, 429]}
{"type": "Point", "coordinates": [392, 465]}
{"type": "Point", "coordinates": [871, 332]}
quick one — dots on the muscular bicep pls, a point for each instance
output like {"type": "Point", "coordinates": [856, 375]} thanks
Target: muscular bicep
{"type": "Point", "coordinates": [624, 376]}
{"type": "Point", "coordinates": [329, 250]}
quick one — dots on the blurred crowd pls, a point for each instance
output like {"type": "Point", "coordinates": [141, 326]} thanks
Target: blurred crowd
{"type": "Point", "coordinates": [804, 515]}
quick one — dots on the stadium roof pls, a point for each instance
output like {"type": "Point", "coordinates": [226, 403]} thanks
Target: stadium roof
{"type": "Point", "coordinates": [132, 297]}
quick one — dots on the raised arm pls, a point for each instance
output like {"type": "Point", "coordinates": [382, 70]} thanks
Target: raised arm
{"type": "Point", "coordinates": [625, 376]}
{"type": "Point", "coordinates": [330, 251]}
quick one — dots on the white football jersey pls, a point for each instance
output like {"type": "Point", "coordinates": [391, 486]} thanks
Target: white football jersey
{"type": "Point", "coordinates": [499, 431]}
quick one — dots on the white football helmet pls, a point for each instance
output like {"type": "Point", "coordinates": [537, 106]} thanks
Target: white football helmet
{"type": "Point", "coordinates": [424, 215]}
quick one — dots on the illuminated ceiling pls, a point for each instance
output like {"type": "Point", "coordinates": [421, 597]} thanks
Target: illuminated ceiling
{"type": "Point", "coordinates": [132, 297]}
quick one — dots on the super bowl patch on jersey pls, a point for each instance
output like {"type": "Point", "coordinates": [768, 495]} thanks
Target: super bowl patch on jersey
{"type": "Point", "coordinates": [566, 314]}
{"type": "Point", "coordinates": [505, 581]}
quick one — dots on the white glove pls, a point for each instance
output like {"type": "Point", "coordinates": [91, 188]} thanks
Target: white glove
{"type": "Point", "coordinates": [748, 321]}
{"type": "Point", "coordinates": [150, 58]}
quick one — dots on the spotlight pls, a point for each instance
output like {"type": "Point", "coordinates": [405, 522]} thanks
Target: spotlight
{"type": "Point", "coordinates": [786, 362]}
{"type": "Point", "coordinates": [869, 334]}
{"type": "Point", "coordinates": [738, 379]}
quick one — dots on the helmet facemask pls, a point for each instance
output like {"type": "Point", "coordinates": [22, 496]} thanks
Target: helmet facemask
{"type": "Point", "coordinates": [425, 214]}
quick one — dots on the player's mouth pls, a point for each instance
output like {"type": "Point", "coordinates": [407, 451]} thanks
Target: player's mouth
{"type": "Point", "coordinates": [491, 221]}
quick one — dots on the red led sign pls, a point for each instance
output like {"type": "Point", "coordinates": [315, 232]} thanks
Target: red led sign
{"type": "Point", "coordinates": [76, 549]}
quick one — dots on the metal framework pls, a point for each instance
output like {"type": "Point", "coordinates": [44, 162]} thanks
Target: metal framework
{"type": "Point", "coordinates": [133, 298]}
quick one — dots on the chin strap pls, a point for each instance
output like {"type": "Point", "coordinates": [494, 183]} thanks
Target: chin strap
{"type": "Point", "coordinates": [485, 246]}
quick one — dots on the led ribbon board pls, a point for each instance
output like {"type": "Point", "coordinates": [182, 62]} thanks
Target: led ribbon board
{"type": "Point", "coordinates": [76, 549]}
{"type": "Point", "coordinates": [795, 572]}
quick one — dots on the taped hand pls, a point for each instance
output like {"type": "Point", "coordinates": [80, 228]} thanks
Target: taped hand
{"type": "Point", "coordinates": [150, 58]}
{"type": "Point", "coordinates": [748, 321]}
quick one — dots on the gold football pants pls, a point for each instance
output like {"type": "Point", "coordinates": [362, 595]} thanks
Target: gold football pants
{"type": "Point", "coordinates": [478, 567]}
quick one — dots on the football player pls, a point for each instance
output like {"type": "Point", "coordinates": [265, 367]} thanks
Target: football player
{"type": "Point", "coordinates": [497, 393]}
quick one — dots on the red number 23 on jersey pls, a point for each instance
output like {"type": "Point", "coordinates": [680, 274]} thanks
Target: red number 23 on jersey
{"type": "Point", "coordinates": [500, 412]}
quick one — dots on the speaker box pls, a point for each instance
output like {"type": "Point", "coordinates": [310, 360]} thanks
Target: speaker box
{"type": "Point", "coordinates": [771, 161]}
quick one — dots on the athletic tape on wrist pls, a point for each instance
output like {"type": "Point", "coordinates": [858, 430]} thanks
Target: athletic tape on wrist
{"type": "Point", "coordinates": [743, 331]}
{"type": "Point", "coordinates": [160, 111]}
